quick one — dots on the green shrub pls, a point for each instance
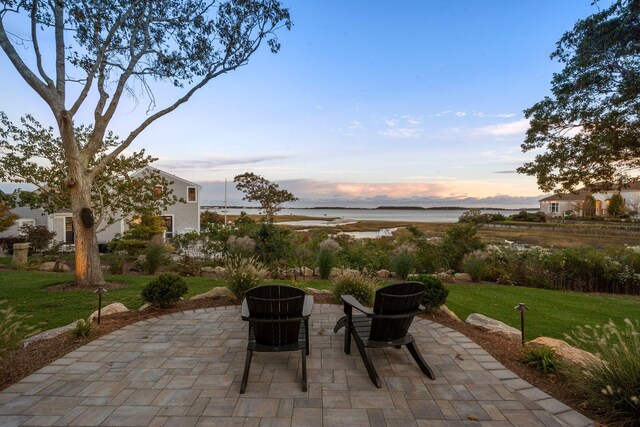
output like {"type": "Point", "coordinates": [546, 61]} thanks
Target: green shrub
{"type": "Point", "coordinates": [165, 290]}
{"type": "Point", "coordinates": [361, 287]}
{"type": "Point", "coordinates": [476, 266]}
{"type": "Point", "coordinates": [436, 292]}
{"type": "Point", "coordinates": [82, 329]}
{"type": "Point", "coordinates": [155, 256]}
{"type": "Point", "coordinates": [542, 358]}
{"type": "Point", "coordinates": [326, 257]}
{"type": "Point", "coordinates": [243, 274]}
{"type": "Point", "coordinates": [188, 266]}
{"type": "Point", "coordinates": [459, 240]}
{"type": "Point", "coordinates": [613, 385]}
{"type": "Point", "coordinates": [404, 260]}
{"type": "Point", "coordinates": [38, 236]}
{"type": "Point", "coordinates": [116, 264]}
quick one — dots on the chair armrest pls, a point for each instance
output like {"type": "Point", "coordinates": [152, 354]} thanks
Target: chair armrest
{"type": "Point", "coordinates": [308, 306]}
{"type": "Point", "coordinates": [350, 300]}
{"type": "Point", "coordinates": [245, 310]}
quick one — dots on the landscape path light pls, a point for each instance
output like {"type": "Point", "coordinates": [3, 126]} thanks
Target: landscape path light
{"type": "Point", "coordinates": [521, 308]}
{"type": "Point", "coordinates": [100, 290]}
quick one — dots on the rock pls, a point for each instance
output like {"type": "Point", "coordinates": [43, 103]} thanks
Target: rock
{"type": "Point", "coordinates": [445, 276]}
{"type": "Point", "coordinates": [208, 269]}
{"type": "Point", "coordinates": [219, 270]}
{"type": "Point", "coordinates": [567, 352]}
{"type": "Point", "coordinates": [318, 291]}
{"type": "Point", "coordinates": [447, 312]}
{"type": "Point", "coordinates": [51, 333]}
{"type": "Point", "coordinates": [218, 292]}
{"type": "Point", "coordinates": [54, 266]}
{"type": "Point", "coordinates": [114, 308]}
{"type": "Point", "coordinates": [306, 272]}
{"type": "Point", "coordinates": [494, 326]}
{"type": "Point", "coordinates": [383, 274]}
{"type": "Point", "coordinates": [20, 253]}
{"type": "Point", "coordinates": [462, 277]}
{"type": "Point", "coordinates": [335, 272]}
{"type": "Point", "coordinates": [144, 307]}
{"type": "Point", "coordinates": [316, 271]}
{"type": "Point", "coordinates": [350, 271]}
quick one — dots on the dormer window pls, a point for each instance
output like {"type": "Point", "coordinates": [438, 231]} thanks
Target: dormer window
{"type": "Point", "coordinates": [157, 191]}
{"type": "Point", "coordinates": [192, 194]}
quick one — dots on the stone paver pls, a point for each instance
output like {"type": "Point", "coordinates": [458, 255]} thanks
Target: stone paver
{"type": "Point", "coordinates": [184, 369]}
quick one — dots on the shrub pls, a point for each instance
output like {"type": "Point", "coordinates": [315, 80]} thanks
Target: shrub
{"type": "Point", "coordinates": [436, 292]}
{"type": "Point", "coordinates": [612, 385]}
{"type": "Point", "coordinates": [404, 260]}
{"type": "Point", "coordinates": [476, 266]}
{"type": "Point", "coordinates": [12, 327]}
{"type": "Point", "coordinates": [82, 329]}
{"type": "Point", "coordinates": [155, 256]}
{"type": "Point", "coordinates": [189, 266]}
{"type": "Point", "coordinates": [459, 240]}
{"type": "Point", "coordinates": [164, 290]}
{"type": "Point", "coordinates": [542, 358]}
{"type": "Point", "coordinates": [116, 264]}
{"type": "Point", "coordinates": [616, 205]}
{"type": "Point", "coordinates": [243, 274]}
{"type": "Point", "coordinates": [361, 287]}
{"type": "Point", "coordinates": [326, 257]}
{"type": "Point", "coordinates": [241, 246]}
{"type": "Point", "coordinates": [6, 243]}
{"type": "Point", "coordinates": [38, 236]}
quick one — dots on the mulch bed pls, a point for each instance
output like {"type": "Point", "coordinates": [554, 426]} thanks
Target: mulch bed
{"type": "Point", "coordinates": [19, 363]}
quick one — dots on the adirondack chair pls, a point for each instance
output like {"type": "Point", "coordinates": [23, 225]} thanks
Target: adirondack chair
{"type": "Point", "coordinates": [278, 317]}
{"type": "Point", "coordinates": [386, 325]}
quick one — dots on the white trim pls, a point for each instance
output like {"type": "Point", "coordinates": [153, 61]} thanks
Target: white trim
{"type": "Point", "coordinates": [173, 224]}
{"type": "Point", "coordinates": [23, 221]}
{"type": "Point", "coordinates": [196, 190]}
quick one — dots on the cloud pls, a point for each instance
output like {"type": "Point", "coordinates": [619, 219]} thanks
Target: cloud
{"type": "Point", "coordinates": [505, 172]}
{"type": "Point", "coordinates": [355, 125]}
{"type": "Point", "coordinates": [518, 127]}
{"type": "Point", "coordinates": [460, 113]}
{"type": "Point", "coordinates": [391, 122]}
{"type": "Point", "coordinates": [401, 133]}
{"type": "Point", "coordinates": [216, 162]}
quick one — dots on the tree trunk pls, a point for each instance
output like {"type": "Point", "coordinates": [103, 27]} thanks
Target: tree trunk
{"type": "Point", "coordinates": [88, 269]}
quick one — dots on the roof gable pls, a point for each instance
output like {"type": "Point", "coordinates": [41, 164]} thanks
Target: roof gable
{"type": "Point", "coordinates": [167, 175]}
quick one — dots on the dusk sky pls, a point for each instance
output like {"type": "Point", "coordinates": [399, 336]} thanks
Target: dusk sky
{"type": "Point", "coordinates": [368, 103]}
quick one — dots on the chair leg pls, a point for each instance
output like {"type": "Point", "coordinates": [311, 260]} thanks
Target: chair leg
{"type": "Point", "coordinates": [304, 370]}
{"type": "Point", "coordinates": [306, 336]}
{"type": "Point", "coordinates": [420, 361]}
{"type": "Point", "coordinates": [373, 375]}
{"type": "Point", "coordinates": [245, 375]}
{"type": "Point", "coordinates": [347, 339]}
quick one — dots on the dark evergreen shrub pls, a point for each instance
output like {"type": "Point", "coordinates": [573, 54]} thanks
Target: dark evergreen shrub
{"type": "Point", "coordinates": [436, 292]}
{"type": "Point", "coordinates": [164, 290]}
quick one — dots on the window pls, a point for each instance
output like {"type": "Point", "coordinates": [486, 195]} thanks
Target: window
{"type": "Point", "coordinates": [192, 194]}
{"type": "Point", "coordinates": [157, 190]}
{"type": "Point", "coordinates": [26, 221]}
{"type": "Point", "coordinates": [554, 207]}
{"type": "Point", "coordinates": [168, 223]}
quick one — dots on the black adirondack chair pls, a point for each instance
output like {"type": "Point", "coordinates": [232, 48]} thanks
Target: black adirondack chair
{"type": "Point", "coordinates": [386, 325]}
{"type": "Point", "coordinates": [278, 317]}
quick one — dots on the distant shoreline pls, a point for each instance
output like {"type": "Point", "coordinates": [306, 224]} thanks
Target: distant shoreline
{"type": "Point", "coordinates": [404, 208]}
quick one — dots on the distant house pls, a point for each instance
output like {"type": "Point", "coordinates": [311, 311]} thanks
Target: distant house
{"type": "Point", "coordinates": [559, 204]}
{"type": "Point", "coordinates": [179, 218]}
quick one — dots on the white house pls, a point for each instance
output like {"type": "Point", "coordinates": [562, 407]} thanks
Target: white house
{"type": "Point", "coordinates": [179, 218]}
{"type": "Point", "coordinates": [558, 204]}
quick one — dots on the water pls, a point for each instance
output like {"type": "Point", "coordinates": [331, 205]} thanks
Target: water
{"type": "Point", "coordinates": [352, 215]}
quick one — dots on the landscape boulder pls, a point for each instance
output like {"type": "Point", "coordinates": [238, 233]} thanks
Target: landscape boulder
{"type": "Point", "coordinates": [383, 274]}
{"type": "Point", "coordinates": [208, 269]}
{"type": "Point", "coordinates": [318, 291]}
{"type": "Point", "coordinates": [567, 352]}
{"type": "Point", "coordinates": [51, 333]}
{"type": "Point", "coordinates": [445, 276]}
{"type": "Point", "coordinates": [306, 272]}
{"type": "Point", "coordinates": [218, 292]}
{"type": "Point", "coordinates": [114, 308]}
{"type": "Point", "coordinates": [462, 277]}
{"type": "Point", "coordinates": [54, 266]}
{"type": "Point", "coordinates": [447, 312]}
{"type": "Point", "coordinates": [219, 270]}
{"type": "Point", "coordinates": [351, 271]}
{"type": "Point", "coordinates": [335, 272]}
{"type": "Point", "coordinates": [493, 325]}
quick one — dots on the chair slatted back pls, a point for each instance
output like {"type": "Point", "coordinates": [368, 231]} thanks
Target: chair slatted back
{"type": "Point", "coordinates": [278, 303]}
{"type": "Point", "coordinates": [395, 299]}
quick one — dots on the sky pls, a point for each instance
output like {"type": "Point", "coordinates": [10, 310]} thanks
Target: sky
{"type": "Point", "coordinates": [367, 103]}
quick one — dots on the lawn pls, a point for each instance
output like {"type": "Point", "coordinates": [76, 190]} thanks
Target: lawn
{"type": "Point", "coordinates": [552, 313]}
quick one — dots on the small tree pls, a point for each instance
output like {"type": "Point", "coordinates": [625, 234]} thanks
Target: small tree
{"type": "Point", "coordinates": [7, 218]}
{"type": "Point", "coordinates": [268, 194]}
{"type": "Point", "coordinates": [38, 236]}
{"type": "Point", "coordinates": [616, 205]}
{"type": "Point", "coordinates": [589, 206]}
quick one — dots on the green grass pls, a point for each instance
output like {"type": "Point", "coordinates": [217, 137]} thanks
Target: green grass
{"type": "Point", "coordinates": [26, 292]}
{"type": "Point", "coordinates": [5, 260]}
{"type": "Point", "coordinates": [552, 313]}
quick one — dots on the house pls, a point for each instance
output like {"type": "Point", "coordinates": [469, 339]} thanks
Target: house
{"type": "Point", "coordinates": [558, 204]}
{"type": "Point", "coordinates": [179, 218]}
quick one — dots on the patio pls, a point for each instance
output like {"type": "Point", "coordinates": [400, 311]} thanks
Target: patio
{"type": "Point", "coordinates": [184, 369]}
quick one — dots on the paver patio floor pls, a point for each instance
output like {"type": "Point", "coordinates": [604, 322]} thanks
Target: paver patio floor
{"type": "Point", "coordinates": [184, 369]}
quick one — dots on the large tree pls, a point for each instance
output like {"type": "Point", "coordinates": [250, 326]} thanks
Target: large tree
{"type": "Point", "coordinates": [589, 127]}
{"type": "Point", "coordinates": [267, 193]}
{"type": "Point", "coordinates": [30, 155]}
{"type": "Point", "coordinates": [104, 49]}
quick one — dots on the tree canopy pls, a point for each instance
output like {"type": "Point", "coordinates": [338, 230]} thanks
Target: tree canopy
{"type": "Point", "coordinates": [268, 194]}
{"type": "Point", "coordinates": [589, 127]}
{"type": "Point", "coordinates": [7, 218]}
